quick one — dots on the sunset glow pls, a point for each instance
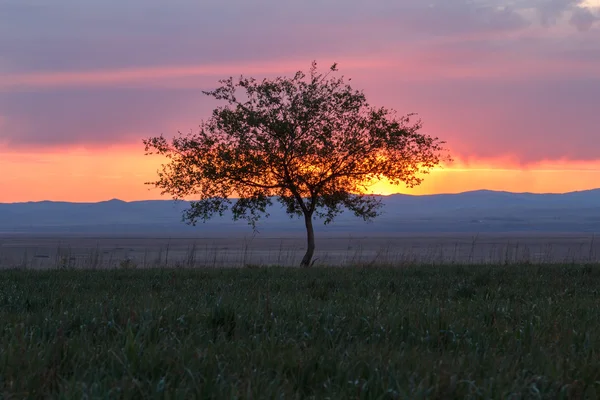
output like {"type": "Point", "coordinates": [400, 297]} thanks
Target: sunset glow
{"type": "Point", "coordinates": [93, 175]}
{"type": "Point", "coordinates": [512, 88]}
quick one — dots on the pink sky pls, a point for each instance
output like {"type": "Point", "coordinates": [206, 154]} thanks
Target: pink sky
{"type": "Point", "coordinates": [513, 87]}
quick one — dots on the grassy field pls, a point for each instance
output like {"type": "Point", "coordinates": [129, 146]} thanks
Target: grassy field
{"type": "Point", "coordinates": [417, 332]}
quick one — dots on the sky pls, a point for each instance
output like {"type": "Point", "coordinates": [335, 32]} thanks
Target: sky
{"type": "Point", "coordinates": [513, 87]}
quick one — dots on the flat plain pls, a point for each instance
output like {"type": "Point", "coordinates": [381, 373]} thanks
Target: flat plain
{"type": "Point", "coordinates": [90, 251]}
{"type": "Point", "coordinates": [417, 332]}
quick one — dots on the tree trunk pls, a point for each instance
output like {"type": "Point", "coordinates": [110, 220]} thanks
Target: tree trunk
{"type": "Point", "coordinates": [310, 241]}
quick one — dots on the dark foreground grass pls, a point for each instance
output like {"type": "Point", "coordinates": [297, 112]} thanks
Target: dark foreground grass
{"type": "Point", "coordinates": [419, 332]}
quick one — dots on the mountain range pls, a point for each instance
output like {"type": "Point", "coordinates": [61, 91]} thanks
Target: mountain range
{"type": "Point", "coordinates": [476, 211]}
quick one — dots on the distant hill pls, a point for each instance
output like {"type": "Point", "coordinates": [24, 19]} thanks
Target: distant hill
{"type": "Point", "coordinates": [477, 211]}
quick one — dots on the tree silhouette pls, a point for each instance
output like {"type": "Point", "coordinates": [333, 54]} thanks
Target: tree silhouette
{"type": "Point", "coordinates": [310, 141]}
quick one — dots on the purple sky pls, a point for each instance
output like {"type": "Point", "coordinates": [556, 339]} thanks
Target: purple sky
{"type": "Point", "coordinates": [493, 78]}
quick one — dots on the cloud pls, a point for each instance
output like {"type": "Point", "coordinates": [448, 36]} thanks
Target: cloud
{"type": "Point", "coordinates": [550, 11]}
{"type": "Point", "coordinates": [527, 121]}
{"type": "Point", "coordinates": [105, 117]}
{"type": "Point", "coordinates": [583, 19]}
{"type": "Point", "coordinates": [459, 17]}
{"type": "Point", "coordinates": [111, 35]}
{"type": "Point", "coordinates": [485, 75]}
{"type": "Point", "coordinates": [158, 76]}
{"type": "Point", "coordinates": [578, 12]}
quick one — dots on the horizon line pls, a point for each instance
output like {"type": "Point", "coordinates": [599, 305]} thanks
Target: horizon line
{"type": "Point", "coordinates": [369, 194]}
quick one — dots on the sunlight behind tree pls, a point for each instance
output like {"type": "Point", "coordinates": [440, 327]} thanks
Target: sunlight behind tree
{"type": "Point", "coordinates": [310, 142]}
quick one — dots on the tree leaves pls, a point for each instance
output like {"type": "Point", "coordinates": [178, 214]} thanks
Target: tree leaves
{"type": "Point", "coordinates": [310, 141]}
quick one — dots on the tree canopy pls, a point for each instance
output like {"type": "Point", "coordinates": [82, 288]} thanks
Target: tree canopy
{"type": "Point", "coordinates": [310, 142]}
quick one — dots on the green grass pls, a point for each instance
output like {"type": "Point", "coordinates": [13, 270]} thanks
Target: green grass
{"type": "Point", "coordinates": [418, 332]}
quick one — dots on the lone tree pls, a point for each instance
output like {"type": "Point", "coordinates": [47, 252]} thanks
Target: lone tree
{"type": "Point", "coordinates": [311, 142]}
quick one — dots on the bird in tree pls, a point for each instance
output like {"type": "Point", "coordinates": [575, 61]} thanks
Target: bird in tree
{"type": "Point", "coordinates": [310, 142]}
